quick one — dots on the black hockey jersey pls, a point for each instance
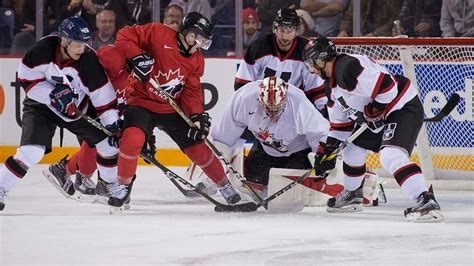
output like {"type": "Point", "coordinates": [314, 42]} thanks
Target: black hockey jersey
{"type": "Point", "coordinates": [263, 59]}
{"type": "Point", "coordinates": [40, 70]}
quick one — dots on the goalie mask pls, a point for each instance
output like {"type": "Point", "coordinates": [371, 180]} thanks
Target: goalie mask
{"type": "Point", "coordinates": [272, 97]}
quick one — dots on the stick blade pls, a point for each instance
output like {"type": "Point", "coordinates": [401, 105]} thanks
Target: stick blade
{"type": "Point", "coordinates": [450, 105]}
{"type": "Point", "coordinates": [245, 207]}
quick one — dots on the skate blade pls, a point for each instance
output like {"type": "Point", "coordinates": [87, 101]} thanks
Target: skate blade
{"type": "Point", "coordinates": [118, 210]}
{"type": "Point", "coordinates": [104, 201]}
{"type": "Point", "coordinates": [50, 177]}
{"type": "Point", "coordinates": [345, 209]}
{"type": "Point", "coordinates": [433, 216]}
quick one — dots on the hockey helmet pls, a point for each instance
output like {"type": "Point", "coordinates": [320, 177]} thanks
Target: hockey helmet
{"type": "Point", "coordinates": [75, 29]}
{"type": "Point", "coordinates": [320, 48]}
{"type": "Point", "coordinates": [286, 17]}
{"type": "Point", "coordinates": [272, 96]}
{"type": "Point", "coordinates": [201, 26]}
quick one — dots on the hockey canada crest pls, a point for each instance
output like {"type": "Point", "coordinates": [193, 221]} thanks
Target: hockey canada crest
{"type": "Point", "coordinates": [269, 140]}
{"type": "Point", "coordinates": [171, 82]}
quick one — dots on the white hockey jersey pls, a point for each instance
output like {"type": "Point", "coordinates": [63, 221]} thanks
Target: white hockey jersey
{"type": "Point", "coordinates": [299, 127]}
{"type": "Point", "coordinates": [40, 71]}
{"type": "Point", "coordinates": [357, 81]}
{"type": "Point", "coordinates": [264, 59]}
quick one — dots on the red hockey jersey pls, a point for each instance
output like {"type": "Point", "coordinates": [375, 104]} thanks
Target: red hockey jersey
{"type": "Point", "coordinates": [114, 64]}
{"type": "Point", "coordinates": [178, 75]}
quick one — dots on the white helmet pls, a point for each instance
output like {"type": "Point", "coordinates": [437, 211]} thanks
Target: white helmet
{"type": "Point", "coordinates": [272, 96]}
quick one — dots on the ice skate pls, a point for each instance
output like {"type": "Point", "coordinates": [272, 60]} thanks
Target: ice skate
{"type": "Point", "coordinates": [102, 195]}
{"type": "Point", "coordinates": [426, 210]}
{"type": "Point", "coordinates": [229, 194]}
{"type": "Point", "coordinates": [119, 196]}
{"type": "Point", "coordinates": [3, 195]}
{"type": "Point", "coordinates": [207, 186]}
{"type": "Point", "coordinates": [85, 186]}
{"type": "Point", "coordinates": [346, 201]}
{"type": "Point", "coordinates": [57, 176]}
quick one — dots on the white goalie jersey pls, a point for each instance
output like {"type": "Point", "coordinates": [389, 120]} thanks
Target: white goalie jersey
{"type": "Point", "coordinates": [299, 127]}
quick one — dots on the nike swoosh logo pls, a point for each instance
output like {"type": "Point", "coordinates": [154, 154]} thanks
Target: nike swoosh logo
{"type": "Point", "coordinates": [168, 47]}
{"type": "Point", "coordinates": [251, 113]}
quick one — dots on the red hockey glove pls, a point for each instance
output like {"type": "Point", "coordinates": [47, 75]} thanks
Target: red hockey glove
{"type": "Point", "coordinates": [62, 99]}
{"type": "Point", "coordinates": [142, 66]}
{"type": "Point", "coordinates": [374, 117]}
{"type": "Point", "coordinates": [200, 133]}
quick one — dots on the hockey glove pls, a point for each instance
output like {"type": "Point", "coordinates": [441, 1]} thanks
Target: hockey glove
{"type": "Point", "coordinates": [116, 129]}
{"type": "Point", "coordinates": [142, 66]}
{"type": "Point", "coordinates": [62, 99]}
{"type": "Point", "coordinates": [374, 117]}
{"type": "Point", "coordinates": [199, 132]}
{"type": "Point", "coordinates": [324, 161]}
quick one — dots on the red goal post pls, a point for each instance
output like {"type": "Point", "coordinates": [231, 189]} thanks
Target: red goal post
{"type": "Point", "coordinates": [438, 67]}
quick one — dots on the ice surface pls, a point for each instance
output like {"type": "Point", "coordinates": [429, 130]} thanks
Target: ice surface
{"type": "Point", "coordinates": [41, 227]}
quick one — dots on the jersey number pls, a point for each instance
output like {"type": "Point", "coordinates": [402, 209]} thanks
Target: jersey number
{"type": "Point", "coordinates": [270, 72]}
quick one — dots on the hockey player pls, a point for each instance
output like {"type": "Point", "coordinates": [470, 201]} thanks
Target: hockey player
{"type": "Point", "coordinates": [363, 90]}
{"type": "Point", "coordinates": [174, 59]}
{"type": "Point", "coordinates": [281, 54]}
{"type": "Point", "coordinates": [59, 75]}
{"type": "Point", "coordinates": [83, 163]}
{"type": "Point", "coordinates": [285, 124]}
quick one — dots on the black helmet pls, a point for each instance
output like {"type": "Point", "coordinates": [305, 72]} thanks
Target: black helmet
{"type": "Point", "coordinates": [75, 28]}
{"type": "Point", "coordinates": [286, 17]}
{"type": "Point", "coordinates": [320, 48]}
{"type": "Point", "coordinates": [197, 23]}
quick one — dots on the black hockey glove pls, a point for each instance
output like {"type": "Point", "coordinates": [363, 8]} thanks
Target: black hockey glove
{"type": "Point", "coordinates": [150, 147]}
{"type": "Point", "coordinates": [374, 117]}
{"type": "Point", "coordinates": [62, 99]}
{"type": "Point", "coordinates": [200, 133]}
{"type": "Point", "coordinates": [324, 161]}
{"type": "Point", "coordinates": [116, 129]}
{"type": "Point", "coordinates": [142, 66]}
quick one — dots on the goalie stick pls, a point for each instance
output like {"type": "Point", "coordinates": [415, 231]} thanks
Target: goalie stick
{"type": "Point", "coordinates": [174, 178]}
{"type": "Point", "coordinates": [219, 154]}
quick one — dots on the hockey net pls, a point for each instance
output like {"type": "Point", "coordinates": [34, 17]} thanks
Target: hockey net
{"type": "Point", "coordinates": [440, 67]}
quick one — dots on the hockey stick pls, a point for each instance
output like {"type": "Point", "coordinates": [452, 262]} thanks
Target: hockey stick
{"type": "Point", "coordinates": [356, 134]}
{"type": "Point", "coordinates": [244, 207]}
{"type": "Point", "coordinates": [219, 154]}
{"type": "Point", "coordinates": [447, 108]}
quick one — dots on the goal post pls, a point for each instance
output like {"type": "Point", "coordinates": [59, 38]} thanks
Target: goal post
{"type": "Point", "coordinates": [438, 67]}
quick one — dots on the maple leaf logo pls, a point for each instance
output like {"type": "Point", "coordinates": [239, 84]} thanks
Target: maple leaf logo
{"type": "Point", "coordinates": [171, 82]}
{"type": "Point", "coordinates": [263, 134]}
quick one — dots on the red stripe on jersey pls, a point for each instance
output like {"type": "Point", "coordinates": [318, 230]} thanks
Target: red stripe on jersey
{"type": "Point", "coordinates": [29, 84]}
{"type": "Point", "coordinates": [101, 109]}
{"type": "Point", "coordinates": [345, 126]}
{"type": "Point", "coordinates": [378, 86]}
{"type": "Point", "coordinates": [241, 81]}
{"type": "Point", "coordinates": [399, 96]}
{"type": "Point", "coordinates": [315, 93]}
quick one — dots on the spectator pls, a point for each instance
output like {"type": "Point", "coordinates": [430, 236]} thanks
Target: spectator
{"type": "Point", "coordinates": [327, 15]}
{"type": "Point", "coordinates": [201, 6]}
{"type": "Point", "coordinates": [267, 9]}
{"type": "Point", "coordinates": [26, 34]}
{"type": "Point", "coordinates": [377, 18]}
{"type": "Point", "coordinates": [457, 18]}
{"type": "Point", "coordinates": [306, 24]}
{"type": "Point", "coordinates": [250, 22]}
{"type": "Point", "coordinates": [139, 11]}
{"type": "Point", "coordinates": [105, 34]}
{"type": "Point", "coordinates": [420, 18]}
{"type": "Point", "coordinates": [82, 8]}
{"type": "Point", "coordinates": [173, 16]}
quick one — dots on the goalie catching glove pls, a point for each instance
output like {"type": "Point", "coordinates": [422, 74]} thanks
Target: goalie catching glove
{"type": "Point", "coordinates": [142, 66]}
{"type": "Point", "coordinates": [324, 161]}
{"type": "Point", "coordinates": [200, 130]}
{"type": "Point", "coordinates": [63, 100]}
